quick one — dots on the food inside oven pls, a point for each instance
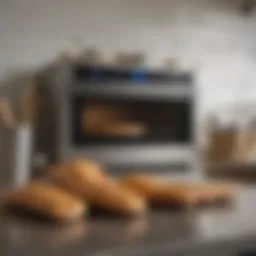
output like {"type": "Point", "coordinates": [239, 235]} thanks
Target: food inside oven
{"type": "Point", "coordinates": [106, 120]}
{"type": "Point", "coordinates": [120, 119]}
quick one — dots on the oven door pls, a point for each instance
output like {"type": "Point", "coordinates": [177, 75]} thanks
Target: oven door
{"type": "Point", "coordinates": [112, 121]}
{"type": "Point", "coordinates": [127, 124]}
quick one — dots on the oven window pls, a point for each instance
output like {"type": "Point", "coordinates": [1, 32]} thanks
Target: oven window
{"type": "Point", "coordinates": [129, 121]}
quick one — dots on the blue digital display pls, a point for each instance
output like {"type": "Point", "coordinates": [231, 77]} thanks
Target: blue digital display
{"type": "Point", "coordinates": [138, 76]}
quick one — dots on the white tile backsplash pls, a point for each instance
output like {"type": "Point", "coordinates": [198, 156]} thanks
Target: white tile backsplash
{"type": "Point", "coordinates": [207, 35]}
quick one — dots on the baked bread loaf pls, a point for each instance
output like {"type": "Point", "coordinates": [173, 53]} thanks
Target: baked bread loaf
{"type": "Point", "coordinates": [81, 177]}
{"type": "Point", "coordinates": [124, 129]}
{"type": "Point", "coordinates": [144, 185]}
{"type": "Point", "coordinates": [88, 180]}
{"type": "Point", "coordinates": [160, 192]}
{"type": "Point", "coordinates": [213, 192]}
{"type": "Point", "coordinates": [181, 193]}
{"type": "Point", "coordinates": [209, 192]}
{"type": "Point", "coordinates": [46, 200]}
{"type": "Point", "coordinates": [114, 198]}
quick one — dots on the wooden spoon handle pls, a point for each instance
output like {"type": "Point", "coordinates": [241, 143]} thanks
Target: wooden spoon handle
{"type": "Point", "coordinates": [7, 116]}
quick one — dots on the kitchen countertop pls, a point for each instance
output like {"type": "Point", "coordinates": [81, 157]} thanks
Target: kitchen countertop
{"type": "Point", "coordinates": [222, 230]}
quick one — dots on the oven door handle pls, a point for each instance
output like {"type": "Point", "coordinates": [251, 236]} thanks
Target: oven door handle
{"type": "Point", "coordinates": [129, 91]}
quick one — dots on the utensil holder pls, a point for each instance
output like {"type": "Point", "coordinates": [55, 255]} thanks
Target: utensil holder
{"type": "Point", "coordinates": [16, 155]}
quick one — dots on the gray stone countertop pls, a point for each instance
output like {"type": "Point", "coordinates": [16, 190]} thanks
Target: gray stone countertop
{"type": "Point", "coordinates": [227, 229]}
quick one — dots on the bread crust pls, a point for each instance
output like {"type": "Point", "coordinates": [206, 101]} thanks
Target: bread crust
{"type": "Point", "coordinates": [182, 193]}
{"type": "Point", "coordinates": [88, 180]}
{"type": "Point", "coordinates": [47, 200]}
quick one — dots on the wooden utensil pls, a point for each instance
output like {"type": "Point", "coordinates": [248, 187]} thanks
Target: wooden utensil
{"type": "Point", "coordinates": [28, 102]}
{"type": "Point", "coordinates": [7, 116]}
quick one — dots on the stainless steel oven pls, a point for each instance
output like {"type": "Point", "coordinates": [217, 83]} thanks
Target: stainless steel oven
{"type": "Point", "coordinates": [129, 123]}
{"type": "Point", "coordinates": [124, 119]}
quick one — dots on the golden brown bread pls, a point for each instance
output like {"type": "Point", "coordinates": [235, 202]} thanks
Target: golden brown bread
{"type": "Point", "coordinates": [212, 192]}
{"type": "Point", "coordinates": [115, 198]}
{"type": "Point", "coordinates": [144, 185]}
{"type": "Point", "coordinates": [124, 129]}
{"type": "Point", "coordinates": [82, 177]}
{"type": "Point", "coordinates": [47, 200]}
{"type": "Point", "coordinates": [208, 192]}
{"type": "Point", "coordinates": [160, 192]}
{"type": "Point", "coordinates": [176, 195]}
{"type": "Point", "coordinates": [173, 192]}
{"type": "Point", "coordinates": [89, 181]}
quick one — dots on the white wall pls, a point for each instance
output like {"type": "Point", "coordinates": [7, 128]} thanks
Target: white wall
{"type": "Point", "coordinates": [208, 35]}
